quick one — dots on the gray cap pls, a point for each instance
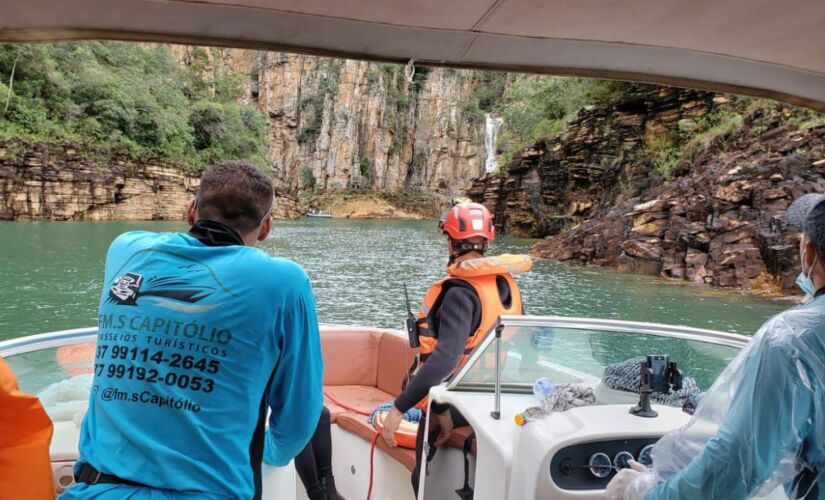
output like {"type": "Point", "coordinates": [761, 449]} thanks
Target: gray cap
{"type": "Point", "coordinates": [808, 214]}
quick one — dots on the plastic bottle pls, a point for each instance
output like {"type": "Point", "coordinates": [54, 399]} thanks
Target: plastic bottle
{"type": "Point", "coordinates": [530, 414]}
{"type": "Point", "coordinates": [543, 388]}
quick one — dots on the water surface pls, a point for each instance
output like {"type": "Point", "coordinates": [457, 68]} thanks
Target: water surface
{"type": "Point", "coordinates": [51, 275]}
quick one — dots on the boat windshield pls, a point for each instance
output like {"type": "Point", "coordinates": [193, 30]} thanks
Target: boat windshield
{"type": "Point", "coordinates": [571, 350]}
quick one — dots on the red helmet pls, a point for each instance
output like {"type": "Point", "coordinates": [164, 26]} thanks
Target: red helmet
{"type": "Point", "coordinates": [467, 220]}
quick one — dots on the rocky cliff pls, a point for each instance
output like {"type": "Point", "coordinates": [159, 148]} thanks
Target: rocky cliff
{"type": "Point", "coordinates": [360, 125]}
{"type": "Point", "coordinates": [682, 184]}
{"type": "Point", "coordinates": [68, 182]}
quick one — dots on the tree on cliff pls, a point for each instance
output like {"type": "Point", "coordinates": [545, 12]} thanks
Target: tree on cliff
{"type": "Point", "coordinates": [132, 97]}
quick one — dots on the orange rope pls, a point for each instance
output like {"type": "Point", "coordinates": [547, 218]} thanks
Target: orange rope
{"type": "Point", "coordinates": [348, 408]}
{"type": "Point", "coordinates": [372, 464]}
{"type": "Point", "coordinates": [372, 445]}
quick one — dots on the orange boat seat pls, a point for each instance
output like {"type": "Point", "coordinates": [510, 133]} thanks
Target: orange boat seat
{"type": "Point", "coordinates": [362, 369]}
{"type": "Point", "coordinates": [360, 397]}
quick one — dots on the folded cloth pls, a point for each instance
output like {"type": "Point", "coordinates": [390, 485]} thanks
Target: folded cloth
{"type": "Point", "coordinates": [412, 415]}
{"type": "Point", "coordinates": [568, 396]}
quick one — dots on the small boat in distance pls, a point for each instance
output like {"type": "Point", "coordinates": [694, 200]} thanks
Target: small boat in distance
{"type": "Point", "coordinates": [314, 212]}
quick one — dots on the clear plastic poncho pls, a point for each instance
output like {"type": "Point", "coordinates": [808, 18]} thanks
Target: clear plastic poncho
{"type": "Point", "coordinates": [760, 426]}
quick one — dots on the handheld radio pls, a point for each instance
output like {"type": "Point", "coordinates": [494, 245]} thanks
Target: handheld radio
{"type": "Point", "coordinates": [411, 323]}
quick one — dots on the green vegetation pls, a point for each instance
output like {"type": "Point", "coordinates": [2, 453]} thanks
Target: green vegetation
{"type": "Point", "coordinates": [538, 107]}
{"type": "Point", "coordinates": [715, 125]}
{"type": "Point", "coordinates": [663, 155]}
{"type": "Point", "coordinates": [367, 171]}
{"type": "Point", "coordinates": [307, 177]}
{"type": "Point", "coordinates": [488, 90]}
{"type": "Point", "coordinates": [312, 106]}
{"type": "Point", "coordinates": [126, 97]}
{"type": "Point", "coordinates": [390, 78]}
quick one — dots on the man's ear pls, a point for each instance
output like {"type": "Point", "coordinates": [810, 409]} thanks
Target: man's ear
{"type": "Point", "coordinates": [191, 212]}
{"type": "Point", "coordinates": [266, 227]}
{"type": "Point", "coordinates": [811, 254]}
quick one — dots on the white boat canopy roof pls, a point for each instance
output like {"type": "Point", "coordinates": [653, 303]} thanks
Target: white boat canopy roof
{"type": "Point", "coordinates": [771, 48]}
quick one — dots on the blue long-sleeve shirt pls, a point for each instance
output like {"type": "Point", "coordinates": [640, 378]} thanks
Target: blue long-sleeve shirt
{"type": "Point", "coordinates": [196, 343]}
{"type": "Point", "coordinates": [770, 411]}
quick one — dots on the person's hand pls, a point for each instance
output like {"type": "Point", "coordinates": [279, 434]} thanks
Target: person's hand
{"type": "Point", "coordinates": [390, 425]}
{"type": "Point", "coordinates": [445, 421]}
{"type": "Point", "coordinates": [617, 487]}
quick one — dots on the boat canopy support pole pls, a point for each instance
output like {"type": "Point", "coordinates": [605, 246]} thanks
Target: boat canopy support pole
{"type": "Point", "coordinates": [496, 413]}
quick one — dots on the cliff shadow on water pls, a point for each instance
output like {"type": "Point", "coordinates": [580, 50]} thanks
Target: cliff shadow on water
{"type": "Point", "coordinates": [687, 185]}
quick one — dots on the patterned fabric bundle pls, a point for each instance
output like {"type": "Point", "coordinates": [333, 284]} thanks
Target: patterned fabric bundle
{"type": "Point", "coordinates": [568, 396]}
{"type": "Point", "coordinates": [624, 376]}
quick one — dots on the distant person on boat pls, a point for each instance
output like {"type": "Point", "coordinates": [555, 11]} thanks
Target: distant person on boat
{"type": "Point", "coordinates": [200, 334]}
{"type": "Point", "coordinates": [762, 423]}
{"type": "Point", "coordinates": [25, 436]}
{"type": "Point", "coordinates": [457, 314]}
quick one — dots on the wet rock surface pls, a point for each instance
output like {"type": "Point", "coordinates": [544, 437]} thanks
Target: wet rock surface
{"type": "Point", "coordinates": [596, 197]}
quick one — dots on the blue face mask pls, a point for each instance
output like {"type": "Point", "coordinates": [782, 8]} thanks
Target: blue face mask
{"type": "Point", "coordinates": [803, 281]}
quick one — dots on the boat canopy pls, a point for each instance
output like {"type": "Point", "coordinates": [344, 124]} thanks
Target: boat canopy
{"type": "Point", "coordinates": [769, 48]}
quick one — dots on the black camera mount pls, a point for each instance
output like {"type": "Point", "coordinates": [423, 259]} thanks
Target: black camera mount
{"type": "Point", "coordinates": [658, 375]}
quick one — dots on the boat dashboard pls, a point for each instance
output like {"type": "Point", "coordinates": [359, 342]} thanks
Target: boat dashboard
{"type": "Point", "coordinates": [576, 452]}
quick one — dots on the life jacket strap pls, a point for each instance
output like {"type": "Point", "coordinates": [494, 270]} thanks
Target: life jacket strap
{"type": "Point", "coordinates": [466, 492]}
{"type": "Point", "coordinates": [89, 475]}
{"type": "Point", "coordinates": [424, 329]}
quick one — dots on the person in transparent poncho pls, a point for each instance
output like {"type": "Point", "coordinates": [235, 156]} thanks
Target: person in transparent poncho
{"type": "Point", "coordinates": [762, 423]}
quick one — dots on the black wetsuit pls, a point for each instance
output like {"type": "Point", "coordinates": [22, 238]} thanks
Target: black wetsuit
{"type": "Point", "coordinates": [458, 315]}
{"type": "Point", "coordinates": [314, 463]}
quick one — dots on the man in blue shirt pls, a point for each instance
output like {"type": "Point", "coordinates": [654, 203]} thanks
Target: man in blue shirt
{"type": "Point", "coordinates": [761, 426]}
{"type": "Point", "coordinates": [200, 334]}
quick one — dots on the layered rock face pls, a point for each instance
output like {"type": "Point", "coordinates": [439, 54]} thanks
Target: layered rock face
{"type": "Point", "coordinates": [66, 182]}
{"type": "Point", "coordinates": [581, 172]}
{"type": "Point", "coordinates": [720, 220]}
{"type": "Point", "coordinates": [361, 125]}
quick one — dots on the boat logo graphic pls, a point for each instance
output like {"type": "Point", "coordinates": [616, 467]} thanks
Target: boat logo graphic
{"type": "Point", "coordinates": [126, 289]}
{"type": "Point", "coordinates": [177, 294]}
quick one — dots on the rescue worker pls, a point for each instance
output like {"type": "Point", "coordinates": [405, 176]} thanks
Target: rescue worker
{"type": "Point", "coordinates": [199, 334]}
{"type": "Point", "coordinates": [456, 315]}
{"type": "Point", "coordinates": [25, 465]}
{"type": "Point", "coordinates": [762, 423]}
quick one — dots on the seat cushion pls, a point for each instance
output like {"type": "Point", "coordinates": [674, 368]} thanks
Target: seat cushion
{"type": "Point", "coordinates": [350, 357]}
{"type": "Point", "coordinates": [394, 359]}
{"type": "Point", "coordinates": [360, 397]}
{"type": "Point", "coordinates": [358, 425]}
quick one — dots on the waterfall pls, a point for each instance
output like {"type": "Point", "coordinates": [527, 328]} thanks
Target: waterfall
{"type": "Point", "coordinates": [491, 127]}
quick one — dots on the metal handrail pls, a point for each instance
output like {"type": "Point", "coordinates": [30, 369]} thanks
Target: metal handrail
{"type": "Point", "coordinates": [40, 341]}
{"type": "Point", "coordinates": [60, 338]}
{"type": "Point", "coordinates": [607, 326]}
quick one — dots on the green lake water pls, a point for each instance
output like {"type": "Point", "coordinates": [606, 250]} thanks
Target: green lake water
{"type": "Point", "coordinates": [51, 276]}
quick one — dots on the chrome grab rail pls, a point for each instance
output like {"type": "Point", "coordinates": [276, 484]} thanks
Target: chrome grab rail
{"type": "Point", "coordinates": [40, 341]}
{"type": "Point", "coordinates": [496, 413]}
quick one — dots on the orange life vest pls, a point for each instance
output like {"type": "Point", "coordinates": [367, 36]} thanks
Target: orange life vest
{"type": "Point", "coordinates": [482, 275]}
{"type": "Point", "coordinates": [25, 465]}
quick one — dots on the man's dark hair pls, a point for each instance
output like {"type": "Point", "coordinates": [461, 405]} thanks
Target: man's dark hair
{"type": "Point", "coordinates": [236, 194]}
